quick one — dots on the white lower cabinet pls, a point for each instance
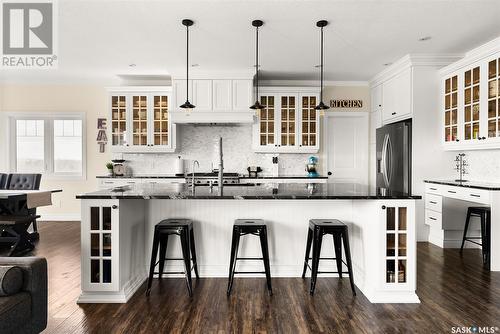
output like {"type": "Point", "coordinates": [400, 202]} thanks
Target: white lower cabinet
{"type": "Point", "coordinates": [399, 251]}
{"type": "Point", "coordinates": [113, 182]}
{"type": "Point", "coordinates": [111, 265]}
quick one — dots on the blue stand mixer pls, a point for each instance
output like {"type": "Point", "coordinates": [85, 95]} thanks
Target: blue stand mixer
{"type": "Point", "coordinates": [311, 165]}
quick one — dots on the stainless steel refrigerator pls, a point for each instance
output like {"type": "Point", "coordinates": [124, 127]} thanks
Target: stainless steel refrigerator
{"type": "Point", "coordinates": [394, 157]}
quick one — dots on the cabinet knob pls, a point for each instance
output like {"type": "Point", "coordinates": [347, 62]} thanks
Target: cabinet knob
{"type": "Point", "coordinates": [383, 207]}
{"type": "Point", "coordinates": [484, 138]}
{"type": "Point", "coordinates": [457, 140]}
{"type": "Point", "coordinates": [329, 173]}
{"type": "Point", "coordinates": [114, 207]}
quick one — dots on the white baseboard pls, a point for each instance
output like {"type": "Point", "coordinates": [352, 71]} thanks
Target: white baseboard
{"type": "Point", "coordinates": [60, 217]}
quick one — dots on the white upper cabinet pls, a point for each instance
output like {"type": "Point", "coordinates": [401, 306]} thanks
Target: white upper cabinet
{"type": "Point", "coordinates": [202, 94]}
{"type": "Point", "coordinates": [140, 119]}
{"type": "Point", "coordinates": [376, 98]}
{"type": "Point", "coordinates": [242, 93]}
{"type": "Point", "coordinates": [470, 102]}
{"type": "Point", "coordinates": [216, 101]}
{"type": "Point", "coordinates": [397, 97]}
{"type": "Point", "coordinates": [288, 123]}
{"type": "Point", "coordinates": [222, 97]}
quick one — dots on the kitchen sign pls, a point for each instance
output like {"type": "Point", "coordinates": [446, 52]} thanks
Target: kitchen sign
{"type": "Point", "coordinates": [346, 103]}
{"type": "Point", "coordinates": [102, 138]}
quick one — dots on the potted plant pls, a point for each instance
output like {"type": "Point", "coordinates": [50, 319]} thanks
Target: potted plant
{"type": "Point", "coordinates": [109, 166]}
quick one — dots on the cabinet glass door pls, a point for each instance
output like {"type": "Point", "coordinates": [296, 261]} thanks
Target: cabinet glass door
{"type": "Point", "coordinates": [309, 123]}
{"type": "Point", "coordinates": [118, 120]}
{"type": "Point", "coordinates": [471, 104]}
{"type": "Point", "coordinates": [140, 120]}
{"type": "Point", "coordinates": [288, 122]}
{"type": "Point", "coordinates": [160, 120]}
{"type": "Point", "coordinates": [494, 98]}
{"type": "Point", "coordinates": [267, 121]}
{"type": "Point", "coordinates": [100, 244]}
{"type": "Point", "coordinates": [450, 109]}
{"type": "Point", "coordinates": [396, 245]}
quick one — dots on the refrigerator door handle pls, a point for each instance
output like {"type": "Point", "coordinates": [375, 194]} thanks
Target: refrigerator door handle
{"type": "Point", "coordinates": [384, 160]}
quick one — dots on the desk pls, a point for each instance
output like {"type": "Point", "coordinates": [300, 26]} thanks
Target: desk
{"type": "Point", "coordinates": [445, 205]}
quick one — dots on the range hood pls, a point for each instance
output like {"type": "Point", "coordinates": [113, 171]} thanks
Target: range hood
{"type": "Point", "coordinates": [211, 117]}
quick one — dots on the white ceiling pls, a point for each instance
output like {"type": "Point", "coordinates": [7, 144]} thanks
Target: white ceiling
{"type": "Point", "coordinates": [99, 39]}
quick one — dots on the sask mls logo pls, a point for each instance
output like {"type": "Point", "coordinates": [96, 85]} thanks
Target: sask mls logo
{"type": "Point", "coordinates": [28, 35]}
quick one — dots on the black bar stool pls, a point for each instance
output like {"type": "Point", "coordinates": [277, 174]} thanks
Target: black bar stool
{"type": "Point", "coordinates": [184, 229]}
{"type": "Point", "coordinates": [318, 228]}
{"type": "Point", "coordinates": [484, 213]}
{"type": "Point", "coordinates": [255, 227]}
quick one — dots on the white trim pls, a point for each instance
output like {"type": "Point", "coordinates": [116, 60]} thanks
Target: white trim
{"type": "Point", "coordinates": [313, 83]}
{"type": "Point", "coordinates": [76, 217]}
{"type": "Point", "coordinates": [473, 56]}
{"type": "Point", "coordinates": [431, 60]}
{"type": "Point", "coordinates": [121, 296]}
{"type": "Point", "coordinates": [134, 89]}
{"type": "Point", "coordinates": [50, 116]}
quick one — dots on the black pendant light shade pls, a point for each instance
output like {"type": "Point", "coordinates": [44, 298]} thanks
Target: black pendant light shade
{"type": "Point", "coordinates": [187, 105]}
{"type": "Point", "coordinates": [321, 106]}
{"type": "Point", "coordinates": [257, 105]}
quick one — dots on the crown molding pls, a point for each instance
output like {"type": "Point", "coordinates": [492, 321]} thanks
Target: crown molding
{"type": "Point", "coordinates": [415, 60]}
{"type": "Point", "coordinates": [477, 54]}
{"type": "Point", "coordinates": [313, 83]}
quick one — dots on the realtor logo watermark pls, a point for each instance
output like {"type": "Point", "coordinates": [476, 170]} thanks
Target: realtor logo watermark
{"type": "Point", "coordinates": [28, 35]}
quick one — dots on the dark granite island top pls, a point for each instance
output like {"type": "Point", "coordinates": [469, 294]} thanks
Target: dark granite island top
{"type": "Point", "coordinates": [248, 191]}
{"type": "Point", "coordinates": [467, 184]}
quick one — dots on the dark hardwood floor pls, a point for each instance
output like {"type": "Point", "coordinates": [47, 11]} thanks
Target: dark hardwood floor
{"type": "Point", "coordinates": [454, 290]}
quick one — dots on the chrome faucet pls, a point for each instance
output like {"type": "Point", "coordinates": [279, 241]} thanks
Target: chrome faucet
{"type": "Point", "coordinates": [195, 163]}
{"type": "Point", "coordinates": [221, 166]}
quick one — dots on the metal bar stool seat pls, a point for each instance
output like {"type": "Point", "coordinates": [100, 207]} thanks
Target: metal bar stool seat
{"type": "Point", "coordinates": [339, 231]}
{"type": "Point", "coordinates": [255, 227]}
{"type": "Point", "coordinates": [184, 229]}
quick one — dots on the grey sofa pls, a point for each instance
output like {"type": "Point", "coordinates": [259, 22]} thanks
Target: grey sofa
{"type": "Point", "coordinates": [26, 311]}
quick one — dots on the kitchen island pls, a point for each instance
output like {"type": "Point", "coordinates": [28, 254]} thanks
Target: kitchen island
{"type": "Point", "coordinates": [118, 223]}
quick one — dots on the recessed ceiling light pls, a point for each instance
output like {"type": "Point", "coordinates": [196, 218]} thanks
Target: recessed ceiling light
{"type": "Point", "coordinates": [387, 64]}
{"type": "Point", "coordinates": [425, 38]}
{"type": "Point", "coordinates": [132, 65]}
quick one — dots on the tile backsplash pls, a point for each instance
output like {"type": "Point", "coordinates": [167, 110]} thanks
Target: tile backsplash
{"type": "Point", "coordinates": [484, 165]}
{"type": "Point", "coordinates": [199, 142]}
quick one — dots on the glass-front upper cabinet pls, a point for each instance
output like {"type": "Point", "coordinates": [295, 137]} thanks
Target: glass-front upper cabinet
{"type": "Point", "coordinates": [471, 124]}
{"type": "Point", "coordinates": [118, 120]}
{"type": "Point", "coordinates": [288, 112]}
{"type": "Point", "coordinates": [309, 121]}
{"type": "Point", "coordinates": [451, 109]}
{"type": "Point", "coordinates": [288, 123]}
{"type": "Point", "coordinates": [140, 121]}
{"type": "Point", "coordinates": [267, 121]}
{"type": "Point", "coordinates": [494, 98]}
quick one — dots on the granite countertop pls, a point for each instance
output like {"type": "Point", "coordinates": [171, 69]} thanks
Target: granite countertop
{"type": "Point", "coordinates": [145, 176]}
{"type": "Point", "coordinates": [165, 176]}
{"type": "Point", "coordinates": [467, 184]}
{"type": "Point", "coordinates": [248, 191]}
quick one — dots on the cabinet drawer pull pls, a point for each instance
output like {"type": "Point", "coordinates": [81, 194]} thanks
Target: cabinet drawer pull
{"type": "Point", "coordinates": [108, 182]}
{"type": "Point", "coordinates": [114, 207]}
{"type": "Point", "coordinates": [452, 192]}
{"type": "Point", "coordinates": [433, 188]}
{"type": "Point", "coordinates": [432, 202]}
{"type": "Point", "coordinates": [394, 113]}
{"type": "Point", "coordinates": [131, 182]}
{"type": "Point", "coordinates": [432, 218]}
{"type": "Point", "coordinates": [474, 195]}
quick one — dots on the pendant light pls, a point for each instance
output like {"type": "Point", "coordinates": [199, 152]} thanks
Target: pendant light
{"type": "Point", "coordinates": [187, 105]}
{"type": "Point", "coordinates": [257, 106]}
{"type": "Point", "coordinates": [321, 106]}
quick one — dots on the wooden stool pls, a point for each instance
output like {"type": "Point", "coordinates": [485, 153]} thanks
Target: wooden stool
{"type": "Point", "coordinates": [484, 213]}
{"type": "Point", "coordinates": [255, 227]}
{"type": "Point", "coordinates": [318, 228]}
{"type": "Point", "coordinates": [184, 229]}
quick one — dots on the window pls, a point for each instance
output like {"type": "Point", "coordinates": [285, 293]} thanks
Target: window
{"type": "Point", "coordinates": [49, 144]}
